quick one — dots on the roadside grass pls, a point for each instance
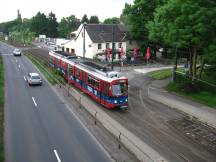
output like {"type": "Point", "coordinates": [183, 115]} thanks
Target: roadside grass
{"type": "Point", "coordinates": [203, 97]}
{"type": "Point", "coordinates": [52, 76]}
{"type": "Point", "coordinates": [162, 74]}
{"type": "Point", "coordinates": [1, 110]}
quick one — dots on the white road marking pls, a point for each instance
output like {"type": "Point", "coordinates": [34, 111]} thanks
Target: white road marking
{"type": "Point", "coordinates": [34, 101]}
{"type": "Point", "coordinates": [16, 60]}
{"type": "Point", "coordinates": [19, 66]}
{"type": "Point", "coordinates": [24, 78]}
{"type": "Point", "coordinates": [57, 156]}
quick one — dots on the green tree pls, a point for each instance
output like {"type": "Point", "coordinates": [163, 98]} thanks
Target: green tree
{"type": "Point", "coordinates": [68, 25]}
{"type": "Point", "coordinates": [136, 16]}
{"type": "Point", "coordinates": [39, 24]}
{"type": "Point", "coordinates": [114, 20]}
{"type": "Point", "coordinates": [52, 25]}
{"type": "Point", "coordinates": [85, 19]}
{"type": "Point", "coordinates": [185, 23]}
{"type": "Point", "coordinates": [94, 20]}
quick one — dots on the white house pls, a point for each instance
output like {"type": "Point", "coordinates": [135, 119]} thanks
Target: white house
{"type": "Point", "coordinates": [98, 38]}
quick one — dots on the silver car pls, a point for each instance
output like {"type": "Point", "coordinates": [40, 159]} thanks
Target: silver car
{"type": "Point", "coordinates": [34, 79]}
{"type": "Point", "coordinates": [17, 52]}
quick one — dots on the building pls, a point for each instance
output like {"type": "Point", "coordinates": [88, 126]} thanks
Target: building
{"type": "Point", "coordinates": [98, 38]}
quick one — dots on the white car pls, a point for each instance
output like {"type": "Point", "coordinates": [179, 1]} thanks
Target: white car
{"type": "Point", "coordinates": [34, 79]}
{"type": "Point", "coordinates": [17, 52]}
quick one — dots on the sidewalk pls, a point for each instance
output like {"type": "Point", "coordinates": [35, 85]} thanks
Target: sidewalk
{"type": "Point", "coordinates": [201, 112]}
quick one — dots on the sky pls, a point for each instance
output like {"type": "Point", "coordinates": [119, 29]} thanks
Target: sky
{"type": "Point", "coordinates": [62, 8]}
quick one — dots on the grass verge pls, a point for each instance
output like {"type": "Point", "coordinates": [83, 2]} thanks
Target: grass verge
{"type": "Point", "coordinates": [204, 97]}
{"type": "Point", "coordinates": [162, 74]}
{"type": "Point", "coordinates": [1, 110]}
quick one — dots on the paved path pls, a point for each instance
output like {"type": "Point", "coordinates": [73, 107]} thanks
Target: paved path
{"type": "Point", "coordinates": [156, 92]}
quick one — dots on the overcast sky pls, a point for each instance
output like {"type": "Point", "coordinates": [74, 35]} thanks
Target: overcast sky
{"type": "Point", "coordinates": [62, 8]}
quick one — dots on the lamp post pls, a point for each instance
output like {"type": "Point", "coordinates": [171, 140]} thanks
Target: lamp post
{"type": "Point", "coordinates": [175, 65]}
{"type": "Point", "coordinates": [84, 50]}
{"type": "Point", "coordinates": [113, 45]}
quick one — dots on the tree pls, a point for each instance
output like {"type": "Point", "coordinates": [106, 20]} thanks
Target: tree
{"type": "Point", "coordinates": [39, 24]}
{"type": "Point", "coordinates": [188, 26]}
{"type": "Point", "coordinates": [85, 19]}
{"type": "Point", "coordinates": [52, 26]}
{"type": "Point", "coordinates": [113, 20]}
{"type": "Point", "coordinates": [68, 25]}
{"type": "Point", "coordinates": [136, 16]}
{"type": "Point", "coordinates": [94, 20]}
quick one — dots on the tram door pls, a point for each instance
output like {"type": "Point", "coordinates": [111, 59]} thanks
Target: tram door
{"type": "Point", "coordinates": [104, 92]}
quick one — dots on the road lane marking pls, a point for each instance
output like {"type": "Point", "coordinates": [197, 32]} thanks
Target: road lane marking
{"type": "Point", "coordinates": [34, 101]}
{"type": "Point", "coordinates": [57, 156]}
{"type": "Point", "coordinates": [24, 78]}
{"type": "Point", "coordinates": [19, 66]}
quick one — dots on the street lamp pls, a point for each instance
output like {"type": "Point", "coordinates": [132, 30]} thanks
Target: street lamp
{"type": "Point", "coordinates": [84, 50]}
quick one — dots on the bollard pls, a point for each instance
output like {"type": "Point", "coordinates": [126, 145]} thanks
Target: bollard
{"type": "Point", "coordinates": [68, 90]}
{"type": "Point", "coordinates": [95, 122]}
{"type": "Point", "coordinates": [119, 145]}
{"type": "Point", "coordinates": [80, 102]}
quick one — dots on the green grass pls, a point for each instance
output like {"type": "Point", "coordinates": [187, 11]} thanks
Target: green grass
{"type": "Point", "coordinates": [204, 97]}
{"type": "Point", "coordinates": [162, 74]}
{"type": "Point", "coordinates": [47, 72]}
{"type": "Point", "coordinates": [1, 109]}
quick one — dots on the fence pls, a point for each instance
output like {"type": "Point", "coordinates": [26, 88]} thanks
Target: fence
{"type": "Point", "coordinates": [200, 85]}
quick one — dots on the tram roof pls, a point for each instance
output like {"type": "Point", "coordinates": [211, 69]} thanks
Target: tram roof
{"type": "Point", "coordinates": [94, 69]}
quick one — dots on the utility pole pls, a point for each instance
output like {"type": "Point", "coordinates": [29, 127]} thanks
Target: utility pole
{"type": "Point", "coordinates": [113, 47]}
{"type": "Point", "coordinates": [84, 50]}
{"type": "Point", "coordinates": [175, 65]}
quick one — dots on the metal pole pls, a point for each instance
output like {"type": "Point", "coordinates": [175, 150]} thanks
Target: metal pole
{"type": "Point", "coordinates": [84, 50]}
{"type": "Point", "coordinates": [113, 47]}
{"type": "Point", "coordinates": [175, 65]}
{"type": "Point", "coordinates": [68, 79]}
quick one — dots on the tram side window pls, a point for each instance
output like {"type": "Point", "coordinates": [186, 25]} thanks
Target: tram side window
{"type": "Point", "coordinates": [83, 76]}
{"type": "Point", "coordinates": [105, 88]}
{"type": "Point", "coordinates": [78, 73]}
{"type": "Point", "coordinates": [57, 61]}
{"type": "Point", "coordinates": [89, 79]}
{"type": "Point", "coordinates": [70, 70]}
{"type": "Point", "coordinates": [63, 63]}
{"type": "Point", "coordinates": [96, 83]}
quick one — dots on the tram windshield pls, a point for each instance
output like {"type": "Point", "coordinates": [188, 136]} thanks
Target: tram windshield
{"type": "Point", "coordinates": [119, 89]}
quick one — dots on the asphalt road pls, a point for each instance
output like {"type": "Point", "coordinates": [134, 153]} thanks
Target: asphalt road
{"type": "Point", "coordinates": [38, 125]}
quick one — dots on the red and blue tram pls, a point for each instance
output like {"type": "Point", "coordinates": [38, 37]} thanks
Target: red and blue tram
{"type": "Point", "coordinates": [106, 87]}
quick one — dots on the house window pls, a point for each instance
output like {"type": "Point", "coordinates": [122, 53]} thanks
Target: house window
{"type": "Point", "coordinates": [120, 45]}
{"type": "Point", "coordinates": [67, 50]}
{"type": "Point", "coordinates": [107, 45]}
{"type": "Point", "coordinates": [99, 46]}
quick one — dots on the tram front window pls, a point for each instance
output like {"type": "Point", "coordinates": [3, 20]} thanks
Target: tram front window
{"type": "Point", "coordinates": [119, 89]}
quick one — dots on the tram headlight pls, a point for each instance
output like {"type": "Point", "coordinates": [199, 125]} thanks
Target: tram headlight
{"type": "Point", "coordinates": [115, 101]}
{"type": "Point", "coordinates": [126, 100]}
